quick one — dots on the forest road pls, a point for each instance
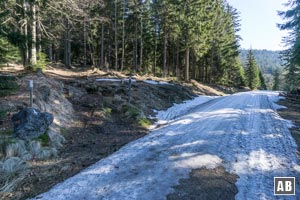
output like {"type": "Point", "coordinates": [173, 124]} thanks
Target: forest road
{"type": "Point", "coordinates": [242, 132]}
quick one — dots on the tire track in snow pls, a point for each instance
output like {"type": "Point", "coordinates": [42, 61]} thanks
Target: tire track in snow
{"type": "Point", "coordinates": [266, 156]}
{"type": "Point", "coordinates": [235, 131]}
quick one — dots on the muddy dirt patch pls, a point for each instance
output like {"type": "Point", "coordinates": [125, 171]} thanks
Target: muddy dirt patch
{"type": "Point", "coordinates": [292, 112]}
{"type": "Point", "coordinates": [206, 184]}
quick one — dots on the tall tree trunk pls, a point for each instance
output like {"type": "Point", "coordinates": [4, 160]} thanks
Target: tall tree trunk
{"type": "Point", "coordinates": [67, 48]}
{"type": "Point", "coordinates": [50, 47]}
{"type": "Point", "coordinates": [155, 52]}
{"type": "Point", "coordinates": [123, 35]}
{"type": "Point", "coordinates": [50, 52]}
{"type": "Point", "coordinates": [141, 37]}
{"type": "Point", "coordinates": [91, 48]}
{"type": "Point", "coordinates": [156, 33]}
{"type": "Point", "coordinates": [203, 68]}
{"type": "Point", "coordinates": [168, 64]}
{"type": "Point", "coordinates": [177, 60]}
{"type": "Point", "coordinates": [206, 71]}
{"type": "Point", "coordinates": [39, 33]}
{"type": "Point", "coordinates": [173, 60]}
{"type": "Point", "coordinates": [102, 47]}
{"type": "Point", "coordinates": [192, 66]}
{"type": "Point", "coordinates": [187, 64]}
{"type": "Point", "coordinates": [211, 66]}
{"type": "Point", "coordinates": [201, 72]}
{"type": "Point", "coordinates": [109, 64]}
{"type": "Point", "coordinates": [33, 33]}
{"type": "Point", "coordinates": [165, 55]}
{"type": "Point", "coordinates": [116, 35]}
{"type": "Point", "coordinates": [26, 48]}
{"type": "Point", "coordinates": [84, 43]}
{"type": "Point", "coordinates": [197, 66]}
{"type": "Point", "coordinates": [135, 48]}
{"type": "Point", "coordinates": [66, 44]}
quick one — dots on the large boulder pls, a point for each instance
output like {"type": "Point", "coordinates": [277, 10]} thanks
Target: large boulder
{"type": "Point", "coordinates": [30, 123]}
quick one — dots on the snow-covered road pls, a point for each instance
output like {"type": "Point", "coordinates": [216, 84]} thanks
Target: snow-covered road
{"type": "Point", "coordinates": [241, 132]}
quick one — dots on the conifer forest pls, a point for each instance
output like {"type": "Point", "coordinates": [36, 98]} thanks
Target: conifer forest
{"type": "Point", "coordinates": [193, 39]}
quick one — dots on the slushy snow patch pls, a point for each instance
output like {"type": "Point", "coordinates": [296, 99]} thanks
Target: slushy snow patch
{"type": "Point", "coordinates": [114, 80]}
{"type": "Point", "coordinates": [177, 110]}
{"type": "Point", "coordinates": [157, 82]}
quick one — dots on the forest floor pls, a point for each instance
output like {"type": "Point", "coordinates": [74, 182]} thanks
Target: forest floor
{"type": "Point", "coordinates": [99, 128]}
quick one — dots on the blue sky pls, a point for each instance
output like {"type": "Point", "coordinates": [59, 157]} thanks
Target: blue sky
{"type": "Point", "coordinates": [258, 23]}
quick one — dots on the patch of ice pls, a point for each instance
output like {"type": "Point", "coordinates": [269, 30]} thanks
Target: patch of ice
{"type": "Point", "coordinates": [193, 161]}
{"type": "Point", "coordinates": [180, 109]}
{"type": "Point", "coordinates": [273, 136]}
{"type": "Point", "coordinates": [114, 80]}
{"type": "Point", "coordinates": [165, 116]}
{"type": "Point", "coordinates": [157, 82]}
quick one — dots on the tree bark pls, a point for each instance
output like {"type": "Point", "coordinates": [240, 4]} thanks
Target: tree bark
{"type": "Point", "coordinates": [206, 71]}
{"type": "Point", "coordinates": [33, 33]}
{"type": "Point", "coordinates": [116, 36]}
{"type": "Point", "coordinates": [102, 47]}
{"type": "Point", "coordinates": [50, 48]}
{"type": "Point", "coordinates": [26, 49]}
{"type": "Point", "coordinates": [39, 33]}
{"type": "Point", "coordinates": [91, 48]}
{"type": "Point", "coordinates": [109, 64]}
{"type": "Point", "coordinates": [187, 64]}
{"type": "Point", "coordinates": [165, 54]}
{"type": "Point", "coordinates": [67, 48]}
{"type": "Point", "coordinates": [50, 52]}
{"type": "Point", "coordinates": [156, 33]}
{"type": "Point", "coordinates": [141, 36]}
{"type": "Point", "coordinates": [135, 48]}
{"type": "Point", "coordinates": [177, 60]}
{"type": "Point", "coordinates": [192, 66]}
{"type": "Point", "coordinates": [84, 43]}
{"type": "Point", "coordinates": [123, 35]}
{"type": "Point", "coordinates": [155, 50]}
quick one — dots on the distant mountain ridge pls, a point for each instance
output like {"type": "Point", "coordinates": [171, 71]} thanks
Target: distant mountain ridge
{"type": "Point", "coordinates": [267, 60]}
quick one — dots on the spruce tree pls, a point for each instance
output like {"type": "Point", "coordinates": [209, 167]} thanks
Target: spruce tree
{"type": "Point", "coordinates": [252, 72]}
{"type": "Point", "coordinates": [292, 56]}
{"type": "Point", "coordinates": [8, 52]}
{"type": "Point", "coordinates": [263, 85]}
{"type": "Point", "coordinates": [236, 74]}
{"type": "Point", "coordinates": [276, 81]}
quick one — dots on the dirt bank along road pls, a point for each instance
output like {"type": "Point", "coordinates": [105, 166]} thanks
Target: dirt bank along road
{"type": "Point", "coordinates": [241, 133]}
